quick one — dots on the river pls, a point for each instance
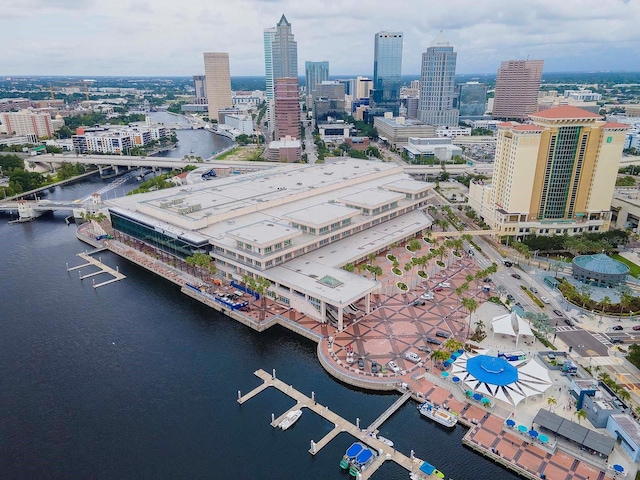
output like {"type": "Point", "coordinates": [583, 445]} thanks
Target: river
{"type": "Point", "coordinates": [136, 380]}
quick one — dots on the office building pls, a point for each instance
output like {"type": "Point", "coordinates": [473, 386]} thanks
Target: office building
{"type": "Point", "coordinates": [242, 124]}
{"type": "Point", "coordinates": [27, 123]}
{"type": "Point", "coordinates": [517, 86]}
{"type": "Point", "coordinates": [268, 36]}
{"type": "Point", "coordinates": [295, 226]}
{"type": "Point", "coordinates": [286, 149]}
{"type": "Point", "coordinates": [363, 87]}
{"type": "Point", "coordinates": [428, 151]}
{"type": "Point", "coordinates": [200, 86]}
{"type": "Point", "coordinates": [396, 131]}
{"type": "Point", "coordinates": [218, 82]}
{"type": "Point", "coordinates": [387, 70]}
{"type": "Point", "coordinates": [316, 73]}
{"type": "Point", "coordinates": [287, 108]}
{"type": "Point", "coordinates": [472, 99]}
{"type": "Point", "coordinates": [437, 84]}
{"type": "Point", "coordinates": [553, 177]}
{"type": "Point", "coordinates": [329, 101]}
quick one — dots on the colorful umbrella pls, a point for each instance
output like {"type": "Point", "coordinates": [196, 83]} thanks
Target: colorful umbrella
{"type": "Point", "coordinates": [523, 429]}
{"type": "Point", "coordinates": [477, 396]}
{"type": "Point", "coordinates": [445, 374]}
{"type": "Point", "coordinates": [455, 379]}
{"type": "Point", "coordinates": [533, 433]}
{"type": "Point", "coordinates": [485, 400]}
{"type": "Point", "coordinates": [510, 422]}
{"type": "Point", "coordinates": [543, 438]}
{"type": "Point", "coordinates": [618, 468]}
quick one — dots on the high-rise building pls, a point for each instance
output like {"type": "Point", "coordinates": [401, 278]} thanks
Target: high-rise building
{"type": "Point", "coordinates": [287, 108]}
{"type": "Point", "coordinates": [316, 73]}
{"type": "Point", "coordinates": [329, 100]}
{"type": "Point", "coordinates": [387, 70]}
{"type": "Point", "coordinates": [284, 51]}
{"type": "Point", "coordinates": [363, 87]}
{"type": "Point", "coordinates": [437, 84]}
{"type": "Point", "coordinates": [517, 86]}
{"type": "Point", "coordinates": [200, 86]}
{"type": "Point", "coordinates": [27, 123]}
{"type": "Point", "coordinates": [218, 80]}
{"type": "Point", "coordinates": [269, 35]}
{"type": "Point", "coordinates": [472, 99]}
{"type": "Point", "coordinates": [554, 177]}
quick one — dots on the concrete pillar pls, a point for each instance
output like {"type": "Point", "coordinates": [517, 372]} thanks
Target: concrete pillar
{"type": "Point", "coordinates": [115, 169]}
{"type": "Point", "coordinates": [100, 169]}
{"type": "Point", "coordinates": [340, 319]}
{"type": "Point", "coordinates": [323, 311]}
{"type": "Point", "coordinates": [367, 303]}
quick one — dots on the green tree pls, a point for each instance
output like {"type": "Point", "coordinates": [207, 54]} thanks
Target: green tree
{"type": "Point", "coordinates": [349, 267]}
{"type": "Point", "coordinates": [581, 415]}
{"type": "Point", "coordinates": [439, 356]}
{"type": "Point", "coordinates": [552, 402]}
{"type": "Point", "coordinates": [260, 285]}
{"type": "Point", "coordinates": [605, 303]}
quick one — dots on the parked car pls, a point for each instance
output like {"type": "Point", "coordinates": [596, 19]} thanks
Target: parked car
{"type": "Point", "coordinates": [617, 327]}
{"type": "Point", "coordinates": [427, 296]}
{"type": "Point", "coordinates": [374, 367]}
{"type": "Point", "coordinates": [444, 285]}
{"type": "Point", "coordinates": [383, 368]}
{"type": "Point", "coordinates": [424, 348]}
{"type": "Point", "coordinates": [361, 363]}
{"type": "Point", "coordinates": [557, 312]}
{"type": "Point", "coordinates": [545, 300]}
{"type": "Point", "coordinates": [510, 297]}
{"type": "Point", "coordinates": [417, 302]}
{"type": "Point", "coordinates": [519, 305]}
{"type": "Point", "coordinates": [534, 290]}
{"type": "Point", "coordinates": [617, 341]}
{"type": "Point", "coordinates": [412, 357]}
{"type": "Point", "coordinates": [487, 280]}
{"type": "Point", "coordinates": [435, 341]}
{"type": "Point", "coordinates": [508, 264]}
{"type": "Point", "coordinates": [516, 276]}
{"type": "Point", "coordinates": [442, 334]}
{"type": "Point", "coordinates": [635, 327]}
{"type": "Point", "coordinates": [393, 366]}
{"type": "Point", "coordinates": [438, 289]}
{"type": "Point", "coordinates": [569, 322]}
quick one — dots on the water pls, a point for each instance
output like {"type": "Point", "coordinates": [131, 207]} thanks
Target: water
{"type": "Point", "coordinates": [136, 380]}
{"type": "Point", "coordinates": [202, 142]}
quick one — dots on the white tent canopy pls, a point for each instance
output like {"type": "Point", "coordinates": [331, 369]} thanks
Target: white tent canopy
{"type": "Point", "coordinates": [504, 324]}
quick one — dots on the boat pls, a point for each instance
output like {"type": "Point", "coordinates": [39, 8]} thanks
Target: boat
{"type": "Point", "coordinates": [384, 440]}
{"type": "Point", "coordinates": [430, 470]}
{"type": "Point", "coordinates": [357, 459]}
{"type": "Point", "coordinates": [291, 418]}
{"type": "Point", "coordinates": [438, 414]}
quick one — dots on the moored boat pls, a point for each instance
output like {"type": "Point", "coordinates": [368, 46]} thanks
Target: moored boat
{"type": "Point", "coordinates": [438, 414]}
{"type": "Point", "coordinates": [384, 440]}
{"type": "Point", "coordinates": [291, 418]}
{"type": "Point", "coordinates": [357, 459]}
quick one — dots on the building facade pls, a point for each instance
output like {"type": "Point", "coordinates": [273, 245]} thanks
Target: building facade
{"type": "Point", "coordinates": [315, 74]}
{"type": "Point", "coordinates": [472, 99]}
{"type": "Point", "coordinates": [387, 71]}
{"type": "Point", "coordinates": [284, 51]}
{"type": "Point", "coordinates": [287, 108]}
{"type": "Point", "coordinates": [268, 36]}
{"type": "Point", "coordinates": [200, 86]}
{"type": "Point", "coordinates": [27, 123]}
{"type": "Point", "coordinates": [218, 82]}
{"type": "Point", "coordinates": [517, 86]}
{"type": "Point", "coordinates": [437, 84]}
{"type": "Point", "coordinates": [555, 176]}
{"type": "Point", "coordinates": [396, 131]}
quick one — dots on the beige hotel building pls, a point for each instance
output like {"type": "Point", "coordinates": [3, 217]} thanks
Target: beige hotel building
{"type": "Point", "coordinates": [553, 176]}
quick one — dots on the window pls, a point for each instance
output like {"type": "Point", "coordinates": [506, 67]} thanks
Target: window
{"type": "Point", "coordinates": [278, 246]}
{"type": "Point", "coordinates": [267, 250]}
{"type": "Point", "coordinates": [287, 243]}
{"type": "Point", "coordinates": [240, 244]}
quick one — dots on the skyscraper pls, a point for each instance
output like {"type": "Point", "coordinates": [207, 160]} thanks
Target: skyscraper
{"type": "Point", "coordinates": [387, 70]}
{"type": "Point", "coordinates": [437, 84]}
{"type": "Point", "coordinates": [284, 51]}
{"type": "Point", "coordinates": [200, 86]}
{"type": "Point", "coordinates": [269, 35]}
{"type": "Point", "coordinates": [517, 86]}
{"type": "Point", "coordinates": [218, 79]}
{"type": "Point", "coordinates": [472, 99]}
{"type": "Point", "coordinates": [287, 108]}
{"type": "Point", "coordinates": [316, 73]}
{"type": "Point", "coordinates": [553, 177]}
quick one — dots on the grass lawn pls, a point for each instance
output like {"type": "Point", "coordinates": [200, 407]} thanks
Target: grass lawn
{"type": "Point", "coordinates": [227, 154]}
{"type": "Point", "coordinates": [635, 269]}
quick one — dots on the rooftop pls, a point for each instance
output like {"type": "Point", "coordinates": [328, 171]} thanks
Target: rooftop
{"type": "Point", "coordinates": [601, 263]}
{"type": "Point", "coordinates": [565, 112]}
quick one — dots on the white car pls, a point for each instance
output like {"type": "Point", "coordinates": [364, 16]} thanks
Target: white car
{"type": "Point", "coordinates": [444, 285]}
{"type": "Point", "coordinates": [393, 366]}
{"type": "Point", "coordinates": [412, 357]}
{"type": "Point", "coordinates": [427, 296]}
{"type": "Point", "coordinates": [545, 300]}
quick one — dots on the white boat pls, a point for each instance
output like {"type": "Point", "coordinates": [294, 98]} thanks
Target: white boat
{"type": "Point", "coordinates": [438, 414]}
{"type": "Point", "coordinates": [291, 418]}
{"type": "Point", "coordinates": [384, 440]}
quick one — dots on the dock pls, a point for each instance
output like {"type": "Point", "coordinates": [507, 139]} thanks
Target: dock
{"type": "Point", "coordinates": [385, 452]}
{"type": "Point", "coordinates": [388, 412]}
{"type": "Point", "coordinates": [102, 268]}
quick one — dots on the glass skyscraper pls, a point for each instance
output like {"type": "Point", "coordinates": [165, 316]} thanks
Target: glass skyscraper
{"type": "Point", "coordinates": [316, 73]}
{"type": "Point", "coordinates": [472, 99]}
{"type": "Point", "coordinates": [387, 71]}
{"type": "Point", "coordinates": [437, 84]}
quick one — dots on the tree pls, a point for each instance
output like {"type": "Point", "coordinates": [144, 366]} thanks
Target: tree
{"type": "Point", "coordinates": [471, 305]}
{"type": "Point", "coordinates": [605, 303]}
{"type": "Point", "coordinates": [584, 293]}
{"type": "Point", "coordinates": [414, 245]}
{"type": "Point", "coordinates": [625, 297]}
{"type": "Point", "coordinates": [581, 415]}
{"type": "Point", "coordinates": [349, 267]}
{"type": "Point", "coordinates": [453, 345]}
{"type": "Point", "coordinates": [552, 402]}
{"type": "Point", "coordinates": [260, 285]}
{"type": "Point", "coordinates": [438, 356]}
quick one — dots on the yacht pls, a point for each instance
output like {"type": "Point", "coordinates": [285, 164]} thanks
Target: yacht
{"type": "Point", "coordinates": [291, 418]}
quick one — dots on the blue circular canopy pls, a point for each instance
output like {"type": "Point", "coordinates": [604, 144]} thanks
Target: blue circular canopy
{"type": "Point", "coordinates": [492, 370]}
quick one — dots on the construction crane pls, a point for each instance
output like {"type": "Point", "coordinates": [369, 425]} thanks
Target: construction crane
{"type": "Point", "coordinates": [85, 82]}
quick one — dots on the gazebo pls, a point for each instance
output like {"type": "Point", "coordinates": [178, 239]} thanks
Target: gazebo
{"type": "Point", "coordinates": [599, 270]}
{"type": "Point", "coordinates": [504, 324]}
{"type": "Point", "coordinates": [510, 382]}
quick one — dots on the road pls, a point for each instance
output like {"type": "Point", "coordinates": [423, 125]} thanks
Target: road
{"type": "Point", "coordinates": [310, 147]}
{"type": "Point", "coordinates": [584, 342]}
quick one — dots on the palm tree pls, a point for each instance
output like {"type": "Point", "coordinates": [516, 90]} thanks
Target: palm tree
{"type": "Point", "coordinates": [259, 285]}
{"type": "Point", "coordinates": [453, 345]}
{"type": "Point", "coordinates": [581, 415]}
{"type": "Point", "coordinates": [605, 303]}
{"type": "Point", "coordinates": [501, 290]}
{"type": "Point", "coordinates": [552, 402]}
{"type": "Point", "coordinates": [439, 356]}
{"type": "Point", "coordinates": [471, 305]}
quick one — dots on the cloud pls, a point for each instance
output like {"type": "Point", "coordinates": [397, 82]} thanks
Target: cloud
{"type": "Point", "coordinates": [165, 37]}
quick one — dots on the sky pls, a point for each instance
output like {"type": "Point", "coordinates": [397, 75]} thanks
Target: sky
{"type": "Point", "coordinates": [168, 37]}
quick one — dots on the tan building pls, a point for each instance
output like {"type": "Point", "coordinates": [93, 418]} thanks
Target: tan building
{"type": "Point", "coordinates": [27, 123]}
{"type": "Point", "coordinates": [218, 82]}
{"type": "Point", "coordinates": [517, 86]}
{"type": "Point", "coordinates": [396, 130]}
{"type": "Point", "coordinates": [555, 176]}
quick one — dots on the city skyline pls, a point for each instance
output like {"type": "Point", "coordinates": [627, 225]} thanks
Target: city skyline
{"type": "Point", "coordinates": [570, 37]}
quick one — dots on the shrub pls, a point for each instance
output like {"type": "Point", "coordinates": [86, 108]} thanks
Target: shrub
{"type": "Point", "coordinates": [397, 271]}
{"type": "Point", "coordinates": [402, 286]}
{"type": "Point", "coordinates": [423, 274]}
{"type": "Point", "coordinates": [440, 264]}
{"type": "Point", "coordinates": [391, 257]}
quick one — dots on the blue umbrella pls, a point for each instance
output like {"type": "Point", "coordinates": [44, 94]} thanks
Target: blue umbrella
{"type": "Point", "coordinates": [447, 363]}
{"type": "Point", "coordinates": [618, 468]}
{"type": "Point", "coordinates": [543, 438]}
{"type": "Point", "coordinates": [455, 355]}
{"type": "Point", "coordinates": [445, 374]}
{"type": "Point", "coordinates": [522, 428]}
{"type": "Point", "coordinates": [510, 423]}
{"type": "Point", "coordinates": [455, 379]}
{"type": "Point", "coordinates": [533, 433]}
{"type": "Point", "coordinates": [477, 396]}
{"type": "Point", "coordinates": [461, 351]}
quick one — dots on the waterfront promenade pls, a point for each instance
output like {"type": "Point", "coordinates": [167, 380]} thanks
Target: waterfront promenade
{"type": "Point", "coordinates": [393, 328]}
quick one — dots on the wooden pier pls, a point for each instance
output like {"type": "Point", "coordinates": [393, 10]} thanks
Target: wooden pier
{"type": "Point", "coordinates": [384, 451]}
{"type": "Point", "coordinates": [388, 412]}
{"type": "Point", "coordinates": [92, 262]}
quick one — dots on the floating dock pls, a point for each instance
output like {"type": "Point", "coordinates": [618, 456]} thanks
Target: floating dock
{"type": "Point", "coordinates": [92, 262]}
{"type": "Point", "coordinates": [385, 452]}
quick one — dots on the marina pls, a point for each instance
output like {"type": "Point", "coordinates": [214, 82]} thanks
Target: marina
{"type": "Point", "coordinates": [364, 465]}
{"type": "Point", "coordinates": [102, 268]}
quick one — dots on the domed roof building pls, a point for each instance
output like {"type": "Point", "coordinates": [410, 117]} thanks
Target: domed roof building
{"type": "Point", "coordinates": [599, 270]}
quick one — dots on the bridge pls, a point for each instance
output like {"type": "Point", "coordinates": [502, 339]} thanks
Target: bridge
{"type": "Point", "coordinates": [464, 232]}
